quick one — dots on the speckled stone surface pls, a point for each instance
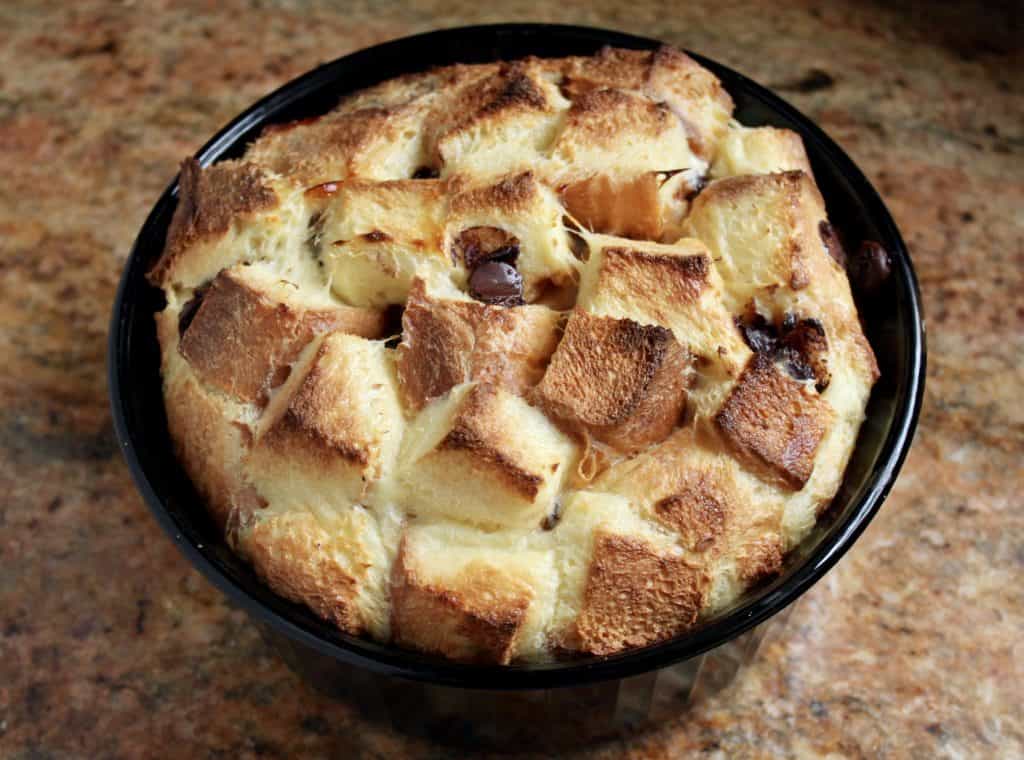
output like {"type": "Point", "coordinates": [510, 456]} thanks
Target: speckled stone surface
{"type": "Point", "coordinates": [112, 646]}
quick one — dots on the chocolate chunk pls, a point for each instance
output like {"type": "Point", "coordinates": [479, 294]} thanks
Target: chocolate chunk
{"type": "Point", "coordinates": [478, 244]}
{"type": "Point", "coordinates": [759, 334]}
{"type": "Point", "coordinates": [804, 349]}
{"type": "Point", "coordinates": [795, 364]}
{"type": "Point", "coordinates": [426, 172]}
{"type": "Point", "coordinates": [497, 283]}
{"type": "Point", "coordinates": [191, 307]}
{"type": "Point", "coordinates": [870, 268]}
{"type": "Point", "coordinates": [831, 241]}
{"type": "Point", "coordinates": [799, 344]}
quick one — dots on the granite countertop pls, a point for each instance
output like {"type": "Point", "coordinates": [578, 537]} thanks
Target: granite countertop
{"type": "Point", "coordinates": [112, 646]}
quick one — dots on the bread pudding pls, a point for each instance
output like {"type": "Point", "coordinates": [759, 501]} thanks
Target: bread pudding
{"type": "Point", "coordinates": [514, 361]}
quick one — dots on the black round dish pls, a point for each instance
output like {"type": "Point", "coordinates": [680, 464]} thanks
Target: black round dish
{"type": "Point", "coordinates": [893, 323]}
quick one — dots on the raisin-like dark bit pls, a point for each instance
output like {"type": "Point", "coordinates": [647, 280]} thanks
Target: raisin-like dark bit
{"type": "Point", "coordinates": [189, 310]}
{"type": "Point", "coordinates": [759, 334]}
{"type": "Point", "coordinates": [496, 283]}
{"type": "Point", "coordinates": [870, 268]}
{"type": "Point", "coordinates": [796, 366]}
{"type": "Point", "coordinates": [831, 242]}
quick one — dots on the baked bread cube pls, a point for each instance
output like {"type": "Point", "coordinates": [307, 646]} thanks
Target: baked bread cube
{"type": "Point", "coordinates": [243, 331]}
{"type": "Point", "coordinates": [499, 123]}
{"type": "Point", "coordinates": [375, 142]}
{"type": "Point", "coordinates": [676, 286]}
{"type": "Point", "coordinates": [693, 93]}
{"type": "Point", "coordinates": [376, 238]}
{"type": "Point", "coordinates": [725, 519]}
{"type": "Point", "coordinates": [529, 217]}
{"type": "Point", "coordinates": [229, 213]}
{"type": "Point", "coordinates": [330, 559]}
{"type": "Point", "coordinates": [333, 429]}
{"type": "Point", "coordinates": [763, 231]}
{"type": "Point", "coordinates": [470, 597]}
{"type": "Point", "coordinates": [621, 131]}
{"type": "Point", "coordinates": [759, 150]}
{"type": "Point", "coordinates": [774, 422]}
{"type": "Point", "coordinates": [484, 456]}
{"type": "Point", "coordinates": [448, 341]}
{"type": "Point", "coordinates": [209, 432]}
{"type": "Point", "coordinates": [620, 381]}
{"type": "Point", "coordinates": [624, 584]}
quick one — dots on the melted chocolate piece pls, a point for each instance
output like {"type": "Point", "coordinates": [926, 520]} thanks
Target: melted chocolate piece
{"type": "Point", "coordinates": [476, 245]}
{"type": "Point", "coordinates": [870, 268]}
{"type": "Point", "coordinates": [832, 243]}
{"type": "Point", "coordinates": [426, 172]}
{"type": "Point", "coordinates": [759, 334]}
{"type": "Point", "coordinates": [799, 344]}
{"type": "Point", "coordinates": [496, 283]}
{"type": "Point", "coordinates": [191, 307]}
{"type": "Point", "coordinates": [795, 364]}
{"type": "Point", "coordinates": [804, 348]}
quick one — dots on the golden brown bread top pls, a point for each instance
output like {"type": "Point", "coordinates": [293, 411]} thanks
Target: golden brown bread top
{"type": "Point", "coordinates": [447, 342]}
{"type": "Point", "coordinates": [209, 202]}
{"type": "Point", "coordinates": [636, 596]}
{"type": "Point", "coordinates": [240, 339]}
{"type": "Point", "coordinates": [507, 360]}
{"type": "Point", "coordinates": [774, 421]}
{"type": "Point", "coordinates": [473, 616]}
{"type": "Point", "coordinates": [646, 373]}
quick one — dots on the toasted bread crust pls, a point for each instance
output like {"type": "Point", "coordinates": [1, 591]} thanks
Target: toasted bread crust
{"type": "Point", "coordinates": [241, 339]}
{"type": "Point", "coordinates": [635, 596]}
{"type": "Point", "coordinates": [472, 433]}
{"type": "Point", "coordinates": [289, 559]}
{"type": "Point", "coordinates": [475, 617]}
{"type": "Point", "coordinates": [647, 371]}
{"type": "Point", "coordinates": [446, 343]}
{"type": "Point", "coordinates": [209, 202]}
{"type": "Point", "coordinates": [774, 422]}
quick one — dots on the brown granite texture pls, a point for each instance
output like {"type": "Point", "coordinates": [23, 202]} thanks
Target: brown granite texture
{"type": "Point", "coordinates": [112, 646]}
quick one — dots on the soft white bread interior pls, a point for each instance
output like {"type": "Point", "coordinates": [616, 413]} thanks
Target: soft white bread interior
{"type": "Point", "coordinates": [472, 596]}
{"type": "Point", "coordinates": [481, 439]}
{"type": "Point", "coordinates": [448, 339]}
{"type": "Point", "coordinates": [759, 150]}
{"type": "Point", "coordinates": [333, 429]}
